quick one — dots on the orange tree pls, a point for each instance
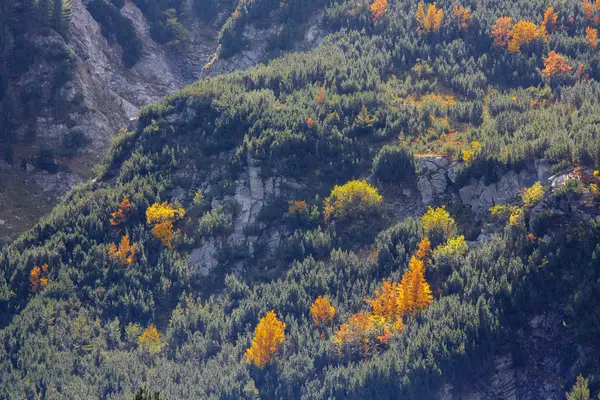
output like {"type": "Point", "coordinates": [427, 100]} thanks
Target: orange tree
{"type": "Point", "coordinates": [378, 8]}
{"type": "Point", "coordinates": [125, 253]}
{"type": "Point", "coordinates": [555, 64]}
{"type": "Point", "coordinates": [120, 216]}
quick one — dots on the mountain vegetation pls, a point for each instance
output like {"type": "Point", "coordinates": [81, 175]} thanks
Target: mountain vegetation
{"type": "Point", "coordinates": [101, 298]}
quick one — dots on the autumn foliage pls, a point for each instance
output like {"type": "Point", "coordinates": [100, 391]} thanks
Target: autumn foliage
{"type": "Point", "coordinates": [268, 335]}
{"type": "Point", "coordinates": [378, 8]}
{"type": "Point", "coordinates": [524, 32]}
{"type": "Point", "coordinates": [591, 35]}
{"type": "Point", "coordinates": [511, 37]}
{"type": "Point", "coordinates": [438, 224]}
{"type": "Point", "coordinates": [431, 21]}
{"type": "Point", "coordinates": [555, 64]}
{"type": "Point", "coordinates": [149, 340]}
{"type": "Point", "coordinates": [162, 217]}
{"type": "Point", "coordinates": [355, 199]}
{"type": "Point", "coordinates": [462, 16]}
{"type": "Point", "coordinates": [120, 216]}
{"type": "Point", "coordinates": [125, 253]}
{"type": "Point", "coordinates": [392, 301]}
{"type": "Point", "coordinates": [320, 97]}
{"type": "Point", "coordinates": [590, 11]}
{"type": "Point", "coordinates": [501, 31]}
{"type": "Point", "coordinates": [322, 312]}
{"type": "Point", "coordinates": [38, 278]}
{"type": "Point", "coordinates": [550, 20]}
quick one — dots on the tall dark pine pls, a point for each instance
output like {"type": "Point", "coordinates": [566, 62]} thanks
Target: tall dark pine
{"type": "Point", "coordinates": [43, 13]}
{"type": "Point", "coordinates": [57, 16]}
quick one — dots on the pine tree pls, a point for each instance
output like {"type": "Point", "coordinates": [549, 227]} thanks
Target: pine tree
{"type": "Point", "coordinates": [43, 13]}
{"type": "Point", "coordinates": [580, 390]}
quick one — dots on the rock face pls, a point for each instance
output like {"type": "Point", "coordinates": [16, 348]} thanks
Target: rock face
{"type": "Point", "coordinates": [437, 177]}
{"type": "Point", "coordinates": [434, 177]}
{"type": "Point", "coordinates": [481, 197]}
{"type": "Point", "coordinates": [252, 193]}
{"type": "Point", "coordinates": [257, 46]}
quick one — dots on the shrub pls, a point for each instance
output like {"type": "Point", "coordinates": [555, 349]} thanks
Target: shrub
{"type": "Point", "coordinates": [394, 163]}
{"type": "Point", "coordinates": [438, 225]}
{"type": "Point", "coordinates": [355, 201]}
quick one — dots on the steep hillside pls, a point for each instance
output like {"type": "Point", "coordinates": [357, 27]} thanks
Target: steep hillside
{"type": "Point", "coordinates": [408, 210]}
{"type": "Point", "coordinates": [53, 143]}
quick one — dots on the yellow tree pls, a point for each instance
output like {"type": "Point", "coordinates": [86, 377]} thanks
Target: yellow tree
{"type": "Point", "coordinates": [431, 21]}
{"type": "Point", "coordinates": [501, 31]}
{"type": "Point", "coordinates": [149, 340]}
{"type": "Point", "coordinates": [268, 335]}
{"type": "Point", "coordinates": [378, 8]}
{"type": "Point", "coordinates": [524, 32]}
{"type": "Point", "coordinates": [322, 312]}
{"type": "Point", "coordinates": [162, 217]}
{"type": "Point", "coordinates": [125, 253]}
{"type": "Point", "coordinates": [120, 216]}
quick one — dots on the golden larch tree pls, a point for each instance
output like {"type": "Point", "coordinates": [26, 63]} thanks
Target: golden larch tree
{"type": "Point", "coordinates": [322, 312]}
{"type": "Point", "coordinates": [378, 8]}
{"type": "Point", "coordinates": [120, 216]}
{"type": "Point", "coordinates": [162, 217]}
{"type": "Point", "coordinates": [591, 35]}
{"type": "Point", "coordinates": [555, 64]}
{"type": "Point", "coordinates": [462, 16]}
{"type": "Point", "coordinates": [268, 335]}
{"type": "Point", "coordinates": [414, 291]}
{"type": "Point", "coordinates": [501, 31]}
{"type": "Point", "coordinates": [125, 253]}
{"type": "Point", "coordinates": [431, 21]}
{"type": "Point", "coordinates": [356, 331]}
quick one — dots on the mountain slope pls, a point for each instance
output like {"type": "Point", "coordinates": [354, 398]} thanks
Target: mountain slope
{"type": "Point", "coordinates": [253, 157]}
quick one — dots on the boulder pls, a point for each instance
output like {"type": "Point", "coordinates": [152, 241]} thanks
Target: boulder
{"type": "Point", "coordinates": [439, 182]}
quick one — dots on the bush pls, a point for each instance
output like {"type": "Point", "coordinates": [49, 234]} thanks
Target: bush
{"type": "Point", "coordinates": [355, 202]}
{"type": "Point", "coordinates": [394, 163]}
{"type": "Point", "coordinates": [438, 225]}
